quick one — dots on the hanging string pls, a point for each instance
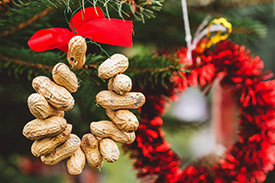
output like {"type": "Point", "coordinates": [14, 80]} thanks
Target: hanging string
{"type": "Point", "coordinates": [219, 26]}
{"type": "Point", "coordinates": [188, 37]}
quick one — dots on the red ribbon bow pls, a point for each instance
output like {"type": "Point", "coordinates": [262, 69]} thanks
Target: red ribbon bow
{"type": "Point", "coordinates": [89, 23]}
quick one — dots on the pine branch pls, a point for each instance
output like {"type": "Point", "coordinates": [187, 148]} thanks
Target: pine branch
{"type": "Point", "coordinates": [26, 23]}
{"type": "Point", "coordinates": [154, 73]}
{"type": "Point", "coordinates": [17, 18]}
{"type": "Point", "coordinates": [222, 5]}
{"type": "Point", "coordinates": [241, 3]}
{"type": "Point", "coordinates": [247, 30]}
{"type": "Point", "coordinates": [25, 63]}
{"type": "Point", "coordinates": [153, 70]}
{"type": "Point", "coordinates": [47, 3]}
{"type": "Point", "coordinates": [85, 67]}
{"type": "Point", "coordinates": [138, 9]}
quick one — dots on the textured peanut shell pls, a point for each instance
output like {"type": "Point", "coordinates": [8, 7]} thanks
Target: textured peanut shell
{"type": "Point", "coordinates": [63, 76]}
{"type": "Point", "coordinates": [56, 95]}
{"type": "Point", "coordinates": [90, 147]}
{"type": "Point", "coordinates": [76, 55]}
{"type": "Point", "coordinates": [40, 108]}
{"type": "Point", "coordinates": [48, 144]}
{"type": "Point", "coordinates": [109, 99]}
{"type": "Point", "coordinates": [38, 128]}
{"type": "Point", "coordinates": [124, 120]}
{"type": "Point", "coordinates": [120, 84]}
{"type": "Point", "coordinates": [63, 151]}
{"type": "Point", "coordinates": [76, 162]}
{"type": "Point", "coordinates": [109, 150]}
{"type": "Point", "coordinates": [116, 64]}
{"type": "Point", "coordinates": [109, 129]}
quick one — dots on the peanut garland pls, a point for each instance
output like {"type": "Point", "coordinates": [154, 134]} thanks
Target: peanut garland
{"type": "Point", "coordinates": [54, 141]}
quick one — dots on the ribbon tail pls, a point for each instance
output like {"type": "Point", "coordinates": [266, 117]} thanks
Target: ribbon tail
{"type": "Point", "coordinates": [47, 39]}
{"type": "Point", "coordinates": [109, 31]}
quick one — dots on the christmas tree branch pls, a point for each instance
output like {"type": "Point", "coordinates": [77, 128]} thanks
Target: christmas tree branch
{"type": "Point", "coordinates": [20, 15]}
{"type": "Point", "coordinates": [139, 9]}
{"type": "Point", "coordinates": [225, 4]}
{"type": "Point", "coordinates": [22, 62]}
{"type": "Point", "coordinates": [88, 66]}
{"type": "Point", "coordinates": [241, 3]}
{"type": "Point", "coordinates": [26, 23]}
{"type": "Point", "coordinates": [169, 68]}
{"type": "Point", "coordinates": [243, 30]}
{"type": "Point", "coordinates": [219, 6]}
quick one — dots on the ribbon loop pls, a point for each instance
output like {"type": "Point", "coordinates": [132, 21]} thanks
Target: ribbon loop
{"type": "Point", "coordinates": [84, 16]}
{"type": "Point", "coordinates": [89, 23]}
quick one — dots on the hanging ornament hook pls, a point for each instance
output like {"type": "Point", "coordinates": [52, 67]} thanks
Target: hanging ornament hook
{"type": "Point", "coordinates": [188, 37]}
{"type": "Point", "coordinates": [221, 26]}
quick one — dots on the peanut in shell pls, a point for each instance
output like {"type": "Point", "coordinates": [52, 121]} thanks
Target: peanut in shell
{"type": "Point", "coordinates": [110, 100]}
{"type": "Point", "coordinates": [118, 63]}
{"type": "Point", "coordinates": [76, 55]}
{"type": "Point", "coordinates": [109, 129]}
{"type": "Point", "coordinates": [63, 151]}
{"type": "Point", "coordinates": [48, 144]}
{"type": "Point", "coordinates": [38, 128]}
{"type": "Point", "coordinates": [120, 84]}
{"type": "Point", "coordinates": [63, 76]}
{"type": "Point", "coordinates": [109, 150]}
{"type": "Point", "coordinates": [40, 108]}
{"type": "Point", "coordinates": [123, 119]}
{"type": "Point", "coordinates": [76, 162]}
{"type": "Point", "coordinates": [90, 147]}
{"type": "Point", "coordinates": [56, 95]}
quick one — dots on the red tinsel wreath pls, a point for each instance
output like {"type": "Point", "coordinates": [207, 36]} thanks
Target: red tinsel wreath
{"type": "Point", "coordinates": [246, 161]}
